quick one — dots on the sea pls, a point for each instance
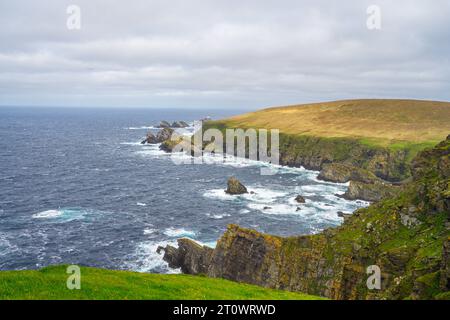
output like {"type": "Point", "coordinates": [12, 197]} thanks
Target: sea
{"type": "Point", "coordinates": [77, 187]}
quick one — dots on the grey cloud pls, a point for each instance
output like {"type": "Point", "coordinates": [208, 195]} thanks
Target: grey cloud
{"type": "Point", "coordinates": [221, 53]}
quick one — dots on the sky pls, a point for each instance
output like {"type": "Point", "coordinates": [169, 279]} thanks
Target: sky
{"type": "Point", "coordinates": [221, 53]}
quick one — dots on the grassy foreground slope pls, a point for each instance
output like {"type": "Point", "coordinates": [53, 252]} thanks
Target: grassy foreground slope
{"type": "Point", "coordinates": [381, 122]}
{"type": "Point", "coordinates": [100, 284]}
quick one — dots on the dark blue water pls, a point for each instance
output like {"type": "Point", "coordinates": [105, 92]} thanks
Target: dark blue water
{"type": "Point", "coordinates": [76, 187]}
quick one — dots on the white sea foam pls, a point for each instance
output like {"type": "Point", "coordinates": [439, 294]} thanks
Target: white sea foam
{"type": "Point", "coordinates": [256, 194]}
{"type": "Point", "coordinates": [179, 233]}
{"type": "Point", "coordinates": [131, 143]}
{"type": "Point", "coordinates": [141, 128]}
{"type": "Point", "coordinates": [146, 259]}
{"type": "Point", "coordinates": [344, 184]}
{"type": "Point", "coordinates": [6, 247]}
{"type": "Point", "coordinates": [62, 215]}
{"type": "Point", "coordinates": [149, 231]}
{"type": "Point", "coordinates": [218, 216]}
{"type": "Point", "coordinates": [275, 209]}
{"type": "Point", "coordinates": [141, 204]}
{"type": "Point", "coordinates": [48, 214]}
{"type": "Point", "coordinates": [152, 150]}
{"type": "Point", "coordinates": [321, 189]}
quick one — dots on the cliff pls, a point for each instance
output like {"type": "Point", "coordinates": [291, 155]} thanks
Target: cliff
{"type": "Point", "coordinates": [378, 136]}
{"type": "Point", "coordinates": [407, 236]}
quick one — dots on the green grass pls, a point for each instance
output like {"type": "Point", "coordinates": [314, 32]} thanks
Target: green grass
{"type": "Point", "coordinates": [99, 284]}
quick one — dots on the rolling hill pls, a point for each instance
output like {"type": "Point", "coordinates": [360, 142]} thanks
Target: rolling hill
{"type": "Point", "coordinates": [382, 122]}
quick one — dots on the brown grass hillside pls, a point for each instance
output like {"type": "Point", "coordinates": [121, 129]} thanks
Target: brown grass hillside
{"type": "Point", "coordinates": [381, 122]}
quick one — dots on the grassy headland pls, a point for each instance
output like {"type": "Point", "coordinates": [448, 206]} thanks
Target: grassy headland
{"type": "Point", "coordinates": [374, 122]}
{"type": "Point", "coordinates": [380, 136]}
{"type": "Point", "coordinates": [99, 284]}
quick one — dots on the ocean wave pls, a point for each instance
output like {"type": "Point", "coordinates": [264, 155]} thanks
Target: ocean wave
{"type": "Point", "coordinates": [218, 216]}
{"type": "Point", "coordinates": [141, 204]}
{"type": "Point", "coordinates": [6, 247]}
{"type": "Point", "coordinates": [146, 259]}
{"type": "Point", "coordinates": [62, 215]}
{"type": "Point", "coordinates": [256, 194]}
{"type": "Point", "coordinates": [322, 189]}
{"type": "Point", "coordinates": [152, 150]}
{"type": "Point", "coordinates": [275, 209]}
{"type": "Point", "coordinates": [137, 143]}
{"type": "Point", "coordinates": [179, 233]}
{"type": "Point", "coordinates": [150, 232]}
{"type": "Point", "coordinates": [141, 128]}
{"type": "Point", "coordinates": [321, 205]}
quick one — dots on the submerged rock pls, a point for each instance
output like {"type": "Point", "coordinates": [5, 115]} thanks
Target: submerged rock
{"type": "Point", "coordinates": [235, 187]}
{"type": "Point", "coordinates": [300, 199]}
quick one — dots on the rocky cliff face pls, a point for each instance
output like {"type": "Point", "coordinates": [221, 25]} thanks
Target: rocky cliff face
{"type": "Point", "coordinates": [316, 153]}
{"type": "Point", "coordinates": [375, 191]}
{"type": "Point", "coordinates": [406, 236]}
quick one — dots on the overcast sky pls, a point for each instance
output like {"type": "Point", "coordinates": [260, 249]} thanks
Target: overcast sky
{"type": "Point", "coordinates": [152, 53]}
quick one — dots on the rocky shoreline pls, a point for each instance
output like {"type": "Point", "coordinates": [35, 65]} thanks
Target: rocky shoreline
{"type": "Point", "coordinates": [406, 236]}
{"type": "Point", "coordinates": [363, 183]}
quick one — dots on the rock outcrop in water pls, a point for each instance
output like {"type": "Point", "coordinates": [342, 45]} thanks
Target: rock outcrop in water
{"type": "Point", "coordinates": [191, 257]}
{"type": "Point", "coordinates": [175, 124]}
{"type": "Point", "coordinates": [235, 187]}
{"type": "Point", "coordinates": [406, 236]}
{"type": "Point", "coordinates": [163, 124]}
{"type": "Point", "coordinates": [161, 136]}
{"type": "Point", "coordinates": [179, 124]}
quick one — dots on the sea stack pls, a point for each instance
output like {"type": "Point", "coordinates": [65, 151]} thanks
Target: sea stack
{"type": "Point", "coordinates": [300, 199]}
{"type": "Point", "coordinates": [235, 187]}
